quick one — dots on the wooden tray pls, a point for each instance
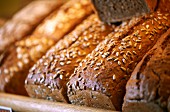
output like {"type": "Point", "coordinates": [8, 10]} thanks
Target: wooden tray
{"type": "Point", "coordinates": [26, 104]}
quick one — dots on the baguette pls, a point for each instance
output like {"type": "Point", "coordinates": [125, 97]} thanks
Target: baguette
{"type": "Point", "coordinates": [108, 67]}
{"type": "Point", "coordinates": [148, 88]}
{"type": "Point", "coordinates": [48, 77]}
{"type": "Point", "coordinates": [19, 58]}
{"type": "Point", "coordinates": [24, 22]}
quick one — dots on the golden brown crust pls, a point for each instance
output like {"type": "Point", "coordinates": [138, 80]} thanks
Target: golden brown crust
{"type": "Point", "coordinates": [25, 21]}
{"type": "Point", "coordinates": [148, 86]}
{"type": "Point", "coordinates": [52, 72]}
{"type": "Point", "coordinates": [69, 13]}
{"type": "Point", "coordinates": [26, 52]}
{"type": "Point", "coordinates": [109, 66]}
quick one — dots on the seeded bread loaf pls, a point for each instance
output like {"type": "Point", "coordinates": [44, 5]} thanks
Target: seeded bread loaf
{"type": "Point", "coordinates": [24, 22]}
{"type": "Point", "coordinates": [20, 57]}
{"type": "Point", "coordinates": [148, 88]}
{"type": "Point", "coordinates": [100, 78]}
{"type": "Point", "coordinates": [47, 79]}
{"type": "Point", "coordinates": [111, 11]}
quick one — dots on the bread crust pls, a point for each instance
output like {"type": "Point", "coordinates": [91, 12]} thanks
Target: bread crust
{"type": "Point", "coordinates": [20, 57]}
{"type": "Point", "coordinates": [57, 65]}
{"type": "Point", "coordinates": [116, 58]}
{"type": "Point", "coordinates": [24, 22]}
{"type": "Point", "coordinates": [148, 86]}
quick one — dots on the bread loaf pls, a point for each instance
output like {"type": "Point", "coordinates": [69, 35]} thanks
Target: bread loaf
{"type": "Point", "coordinates": [111, 11]}
{"type": "Point", "coordinates": [20, 57]}
{"type": "Point", "coordinates": [148, 88]}
{"type": "Point", "coordinates": [24, 22]}
{"type": "Point", "coordinates": [108, 67]}
{"type": "Point", "coordinates": [47, 79]}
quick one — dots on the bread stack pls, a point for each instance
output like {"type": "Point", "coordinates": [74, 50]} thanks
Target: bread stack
{"type": "Point", "coordinates": [74, 57]}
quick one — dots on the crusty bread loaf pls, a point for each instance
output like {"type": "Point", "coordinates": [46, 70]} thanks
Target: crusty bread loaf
{"type": "Point", "coordinates": [107, 69]}
{"type": "Point", "coordinates": [24, 22]}
{"type": "Point", "coordinates": [48, 77]}
{"type": "Point", "coordinates": [67, 15]}
{"type": "Point", "coordinates": [148, 88]}
{"type": "Point", "coordinates": [20, 57]}
{"type": "Point", "coordinates": [111, 11]}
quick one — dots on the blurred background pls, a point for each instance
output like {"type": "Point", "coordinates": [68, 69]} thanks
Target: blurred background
{"type": "Point", "coordinates": [9, 7]}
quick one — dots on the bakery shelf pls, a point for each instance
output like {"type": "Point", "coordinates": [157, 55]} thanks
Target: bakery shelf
{"type": "Point", "coordinates": [26, 104]}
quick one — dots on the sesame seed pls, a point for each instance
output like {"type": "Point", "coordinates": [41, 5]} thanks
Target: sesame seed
{"type": "Point", "coordinates": [116, 59]}
{"type": "Point", "coordinates": [114, 77]}
{"type": "Point", "coordinates": [165, 17]}
{"type": "Point", "coordinates": [35, 80]}
{"type": "Point", "coordinates": [19, 49]}
{"type": "Point", "coordinates": [20, 64]}
{"type": "Point", "coordinates": [147, 33]}
{"type": "Point", "coordinates": [150, 36]}
{"type": "Point", "coordinates": [26, 81]}
{"type": "Point", "coordinates": [134, 52]}
{"type": "Point", "coordinates": [49, 88]}
{"type": "Point", "coordinates": [138, 41]}
{"type": "Point", "coordinates": [140, 46]}
{"type": "Point", "coordinates": [96, 75]}
{"type": "Point", "coordinates": [122, 52]}
{"type": "Point", "coordinates": [26, 61]}
{"type": "Point", "coordinates": [42, 80]}
{"type": "Point", "coordinates": [50, 77]}
{"type": "Point", "coordinates": [61, 76]}
{"type": "Point", "coordinates": [155, 19]}
{"type": "Point", "coordinates": [117, 54]}
{"type": "Point", "coordinates": [147, 26]}
{"type": "Point", "coordinates": [62, 63]}
{"type": "Point", "coordinates": [124, 56]}
{"type": "Point", "coordinates": [128, 52]}
{"type": "Point", "coordinates": [19, 56]}
{"type": "Point", "coordinates": [99, 64]}
{"type": "Point", "coordinates": [96, 68]}
{"type": "Point", "coordinates": [119, 63]}
{"type": "Point", "coordinates": [121, 48]}
{"type": "Point", "coordinates": [113, 51]}
{"type": "Point", "coordinates": [85, 68]}
{"type": "Point", "coordinates": [79, 79]}
{"type": "Point", "coordinates": [143, 29]}
{"type": "Point", "coordinates": [78, 60]}
{"type": "Point", "coordinates": [135, 44]}
{"type": "Point", "coordinates": [110, 58]}
{"type": "Point", "coordinates": [68, 62]}
{"type": "Point", "coordinates": [92, 62]}
{"type": "Point", "coordinates": [124, 61]}
{"type": "Point", "coordinates": [45, 63]}
{"type": "Point", "coordinates": [6, 71]}
{"type": "Point", "coordinates": [123, 69]}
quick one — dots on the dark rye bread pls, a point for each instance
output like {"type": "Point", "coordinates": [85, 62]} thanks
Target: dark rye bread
{"type": "Point", "coordinates": [24, 22]}
{"type": "Point", "coordinates": [48, 77]}
{"type": "Point", "coordinates": [108, 67]}
{"type": "Point", "coordinates": [148, 88]}
{"type": "Point", "coordinates": [22, 56]}
{"type": "Point", "coordinates": [111, 11]}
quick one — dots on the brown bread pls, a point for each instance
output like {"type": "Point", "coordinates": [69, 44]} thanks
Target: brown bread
{"type": "Point", "coordinates": [111, 11]}
{"type": "Point", "coordinates": [48, 77]}
{"type": "Point", "coordinates": [108, 67]}
{"type": "Point", "coordinates": [148, 88]}
{"type": "Point", "coordinates": [24, 22]}
{"type": "Point", "coordinates": [19, 58]}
